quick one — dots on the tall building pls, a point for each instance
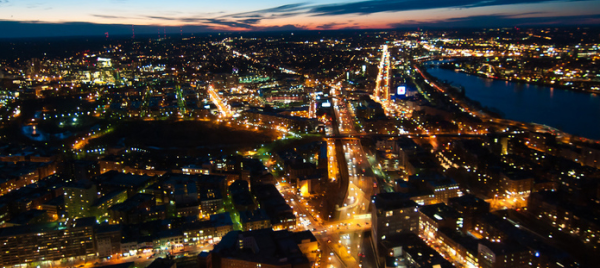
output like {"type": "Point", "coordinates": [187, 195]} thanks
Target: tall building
{"type": "Point", "coordinates": [79, 199]}
{"type": "Point", "coordinates": [392, 213]}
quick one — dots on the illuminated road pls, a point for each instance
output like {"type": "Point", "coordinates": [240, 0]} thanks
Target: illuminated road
{"type": "Point", "coordinates": [346, 234]}
{"type": "Point", "coordinates": [340, 240]}
{"type": "Point", "coordinates": [216, 99]}
{"type": "Point", "coordinates": [382, 84]}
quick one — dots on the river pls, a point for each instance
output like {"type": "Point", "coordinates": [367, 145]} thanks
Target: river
{"type": "Point", "coordinates": [573, 112]}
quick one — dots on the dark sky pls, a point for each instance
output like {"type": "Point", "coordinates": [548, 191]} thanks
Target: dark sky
{"type": "Point", "coordinates": [33, 18]}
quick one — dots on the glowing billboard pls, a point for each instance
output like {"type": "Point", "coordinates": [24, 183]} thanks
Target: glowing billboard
{"type": "Point", "coordinates": [401, 90]}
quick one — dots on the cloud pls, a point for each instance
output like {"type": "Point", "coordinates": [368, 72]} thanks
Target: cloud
{"type": "Point", "coordinates": [15, 29]}
{"type": "Point", "coordinates": [328, 26]}
{"type": "Point", "coordinates": [229, 23]}
{"type": "Point", "coordinates": [245, 20]}
{"type": "Point", "coordinates": [284, 9]}
{"type": "Point", "coordinates": [502, 20]}
{"type": "Point", "coordinates": [242, 23]}
{"type": "Point", "coordinates": [376, 6]}
{"type": "Point", "coordinates": [282, 28]}
{"type": "Point", "coordinates": [108, 16]}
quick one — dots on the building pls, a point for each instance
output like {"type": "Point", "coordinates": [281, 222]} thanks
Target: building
{"type": "Point", "coordinates": [462, 248]}
{"type": "Point", "coordinates": [101, 206]}
{"type": "Point", "coordinates": [222, 223]}
{"type": "Point", "coordinates": [582, 222]}
{"type": "Point", "coordinates": [469, 206]}
{"type": "Point", "coordinates": [205, 259]}
{"type": "Point", "coordinates": [14, 175]}
{"type": "Point", "coordinates": [406, 249]}
{"type": "Point", "coordinates": [191, 208]}
{"type": "Point", "coordinates": [281, 214]}
{"type": "Point", "coordinates": [108, 240]}
{"type": "Point", "coordinates": [79, 199]}
{"type": "Point", "coordinates": [515, 185]}
{"type": "Point", "coordinates": [308, 244]}
{"type": "Point", "coordinates": [441, 187]}
{"type": "Point", "coordinates": [136, 209]}
{"type": "Point", "coordinates": [502, 255]}
{"type": "Point", "coordinates": [435, 217]}
{"type": "Point", "coordinates": [112, 180]}
{"type": "Point", "coordinates": [168, 239]}
{"type": "Point", "coordinates": [208, 231]}
{"type": "Point", "coordinates": [311, 184]}
{"type": "Point", "coordinates": [211, 201]}
{"type": "Point", "coordinates": [47, 242]}
{"type": "Point", "coordinates": [254, 220]}
{"type": "Point", "coordinates": [196, 169]}
{"type": "Point", "coordinates": [261, 248]}
{"type": "Point", "coordinates": [392, 214]}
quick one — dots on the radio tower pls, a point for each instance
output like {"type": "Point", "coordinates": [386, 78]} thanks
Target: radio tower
{"type": "Point", "coordinates": [132, 32]}
{"type": "Point", "coordinates": [165, 33]}
{"type": "Point", "coordinates": [106, 33]}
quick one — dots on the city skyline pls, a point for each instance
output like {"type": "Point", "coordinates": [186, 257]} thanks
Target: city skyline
{"type": "Point", "coordinates": [359, 148]}
{"type": "Point", "coordinates": [118, 17]}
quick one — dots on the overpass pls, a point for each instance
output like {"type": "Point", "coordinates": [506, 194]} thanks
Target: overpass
{"type": "Point", "coordinates": [409, 135]}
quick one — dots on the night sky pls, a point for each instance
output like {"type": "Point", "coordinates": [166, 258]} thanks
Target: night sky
{"type": "Point", "coordinates": [31, 18]}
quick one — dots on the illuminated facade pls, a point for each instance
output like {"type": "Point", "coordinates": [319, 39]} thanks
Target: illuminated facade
{"type": "Point", "coordinates": [46, 242]}
{"type": "Point", "coordinates": [392, 215]}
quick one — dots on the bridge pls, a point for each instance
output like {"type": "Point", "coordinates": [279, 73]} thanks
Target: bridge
{"type": "Point", "coordinates": [413, 135]}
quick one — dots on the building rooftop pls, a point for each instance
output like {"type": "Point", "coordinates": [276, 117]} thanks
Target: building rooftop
{"type": "Point", "coordinates": [415, 249]}
{"type": "Point", "coordinates": [85, 222]}
{"type": "Point", "coordinates": [392, 201]}
{"type": "Point", "coordinates": [467, 200]}
{"type": "Point", "coordinates": [221, 219]}
{"type": "Point", "coordinates": [263, 246]}
{"type": "Point", "coordinates": [439, 212]}
{"type": "Point", "coordinates": [115, 178]}
{"type": "Point", "coordinates": [27, 217]}
{"type": "Point", "coordinates": [251, 216]}
{"type": "Point", "coordinates": [468, 242]}
{"type": "Point", "coordinates": [132, 202]}
{"type": "Point", "coordinates": [107, 228]}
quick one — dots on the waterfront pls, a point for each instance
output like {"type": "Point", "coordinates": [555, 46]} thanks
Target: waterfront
{"type": "Point", "coordinates": [573, 112]}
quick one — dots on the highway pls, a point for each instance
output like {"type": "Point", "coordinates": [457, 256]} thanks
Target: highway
{"type": "Point", "coordinates": [353, 213]}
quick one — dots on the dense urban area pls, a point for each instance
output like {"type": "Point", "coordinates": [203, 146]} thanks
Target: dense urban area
{"type": "Point", "coordinates": [293, 149]}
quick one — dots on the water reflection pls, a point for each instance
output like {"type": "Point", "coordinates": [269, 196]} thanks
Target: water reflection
{"type": "Point", "coordinates": [574, 112]}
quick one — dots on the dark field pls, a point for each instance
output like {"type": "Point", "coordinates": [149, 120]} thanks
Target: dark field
{"type": "Point", "coordinates": [184, 136]}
